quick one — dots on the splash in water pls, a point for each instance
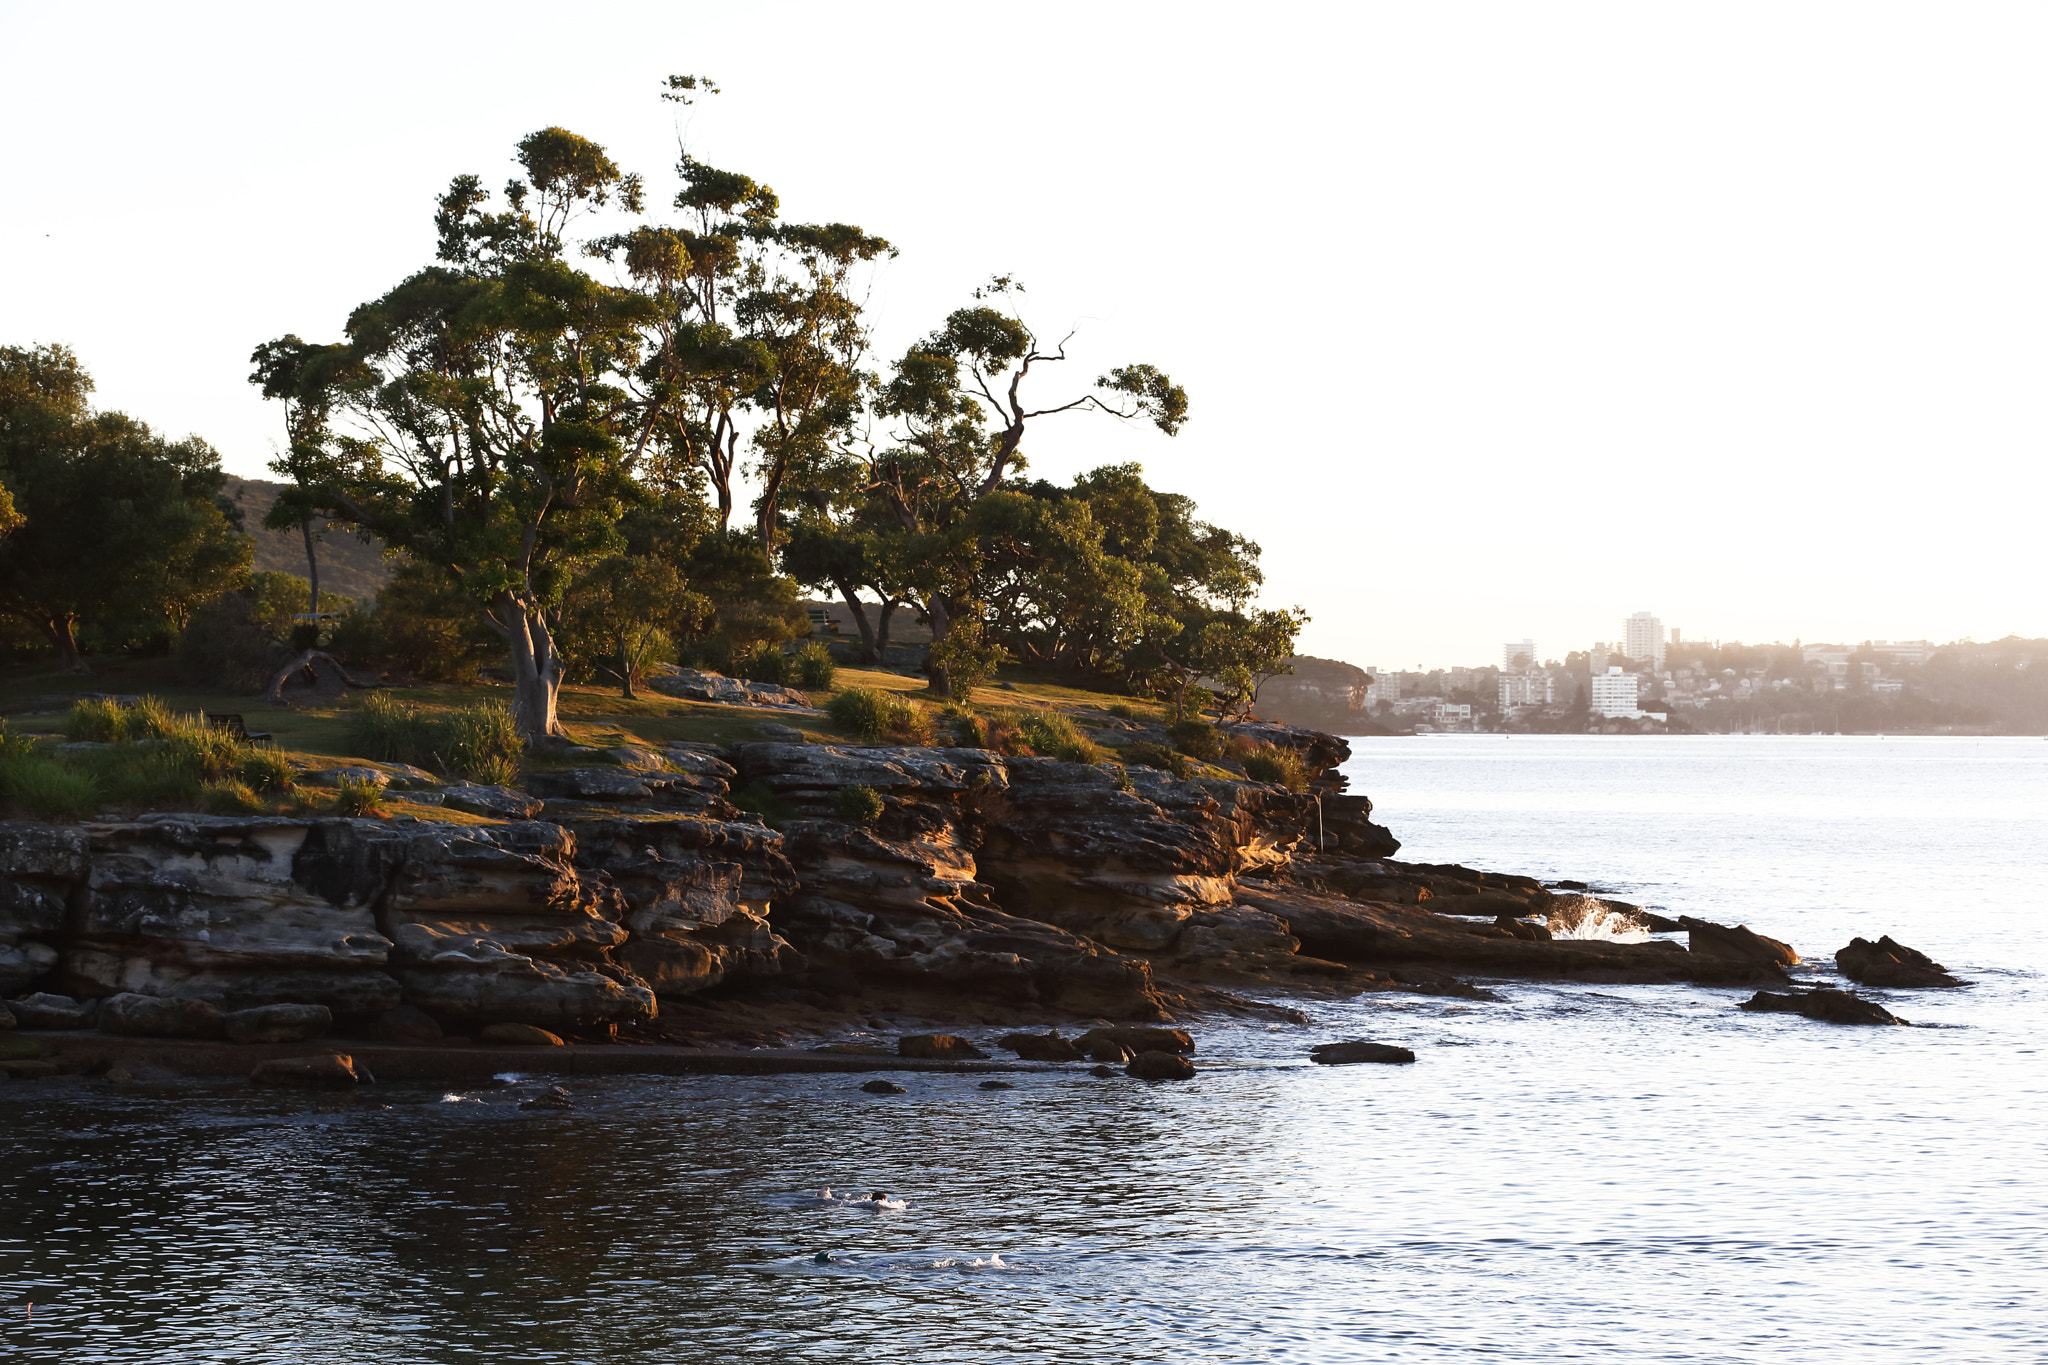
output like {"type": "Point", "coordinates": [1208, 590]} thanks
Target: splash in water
{"type": "Point", "coordinates": [1585, 917]}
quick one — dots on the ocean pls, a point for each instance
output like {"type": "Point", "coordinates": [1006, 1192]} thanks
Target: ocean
{"type": "Point", "coordinates": [1577, 1172]}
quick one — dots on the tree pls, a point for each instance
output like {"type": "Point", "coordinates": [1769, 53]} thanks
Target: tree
{"type": "Point", "coordinates": [632, 603]}
{"type": "Point", "coordinates": [116, 524]}
{"type": "Point", "coordinates": [960, 414]}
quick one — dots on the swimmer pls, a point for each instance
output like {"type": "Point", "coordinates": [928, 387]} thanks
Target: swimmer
{"type": "Point", "coordinates": [878, 1201]}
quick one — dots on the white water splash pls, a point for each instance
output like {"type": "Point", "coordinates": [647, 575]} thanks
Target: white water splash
{"type": "Point", "coordinates": [1584, 917]}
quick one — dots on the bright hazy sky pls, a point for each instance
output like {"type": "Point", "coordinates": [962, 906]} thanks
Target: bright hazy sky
{"type": "Point", "coordinates": [1499, 320]}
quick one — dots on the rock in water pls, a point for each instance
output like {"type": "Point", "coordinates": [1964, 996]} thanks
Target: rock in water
{"type": "Point", "coordinates": [1137, 1040]}
{"type": "Point", "coordinates": [554, 1097]}
{"type": "Point", "coordinates": [159, 1016]}
{"type": "Point", "coordinates": [1829, 1006]}
{"type": "Point", "coordinates": [884, 1088]}
{"type": "Point", "coordinates": [1348, 1054]}
{"type": "Point", "coordinates": [1102, 1073]}
{"type": "Point", "coordinates": [43, 1010]}
{"type": "Point", "coordinates": [1041, 1047]}
{"type": "Point", "coordinates": [519, 1034]}
{"type": "Point", "coordinates": [405, 1024]}
{"type": "Point", "coordinates": [997, 1085]}
{"type": "Point", "coordinates": [1737, 944]}
{"type": "Point", "coordinates": [939, 1047]}
{"type": "Point", "coordinates": [1888, 962]}
{"type": "Point", "coordinates": [1160, 1066]}
{"type": "Point", "coordinates": [278, 1023]}
{"type": "Point", "coordinates": [330, 1070]}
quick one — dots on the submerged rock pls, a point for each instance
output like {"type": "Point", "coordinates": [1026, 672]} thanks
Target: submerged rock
{"type": "Point", "coordinates": [1103, 1073]}
{"type": "Point", "coordinates": [1888, 962]}
{"type": "Point", "coordinates": [939, 1047]}
{"type": "Point", "coordinates": [879, 1087]}
{"type": "Point", "coordinates": [329, 1070]}
{"type": "Point", "coordinates": [997, 1085]}
{"type": "Point", "coordinates": [554, 1097]}
{"type": "Point", "coordinates": [1827, 1005]}
{"type": "Point", "coordinates": [1352, 1053]}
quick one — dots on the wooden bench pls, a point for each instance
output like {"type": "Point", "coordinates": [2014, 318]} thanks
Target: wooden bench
{"type": "Point", "coordinates": [231, 721]}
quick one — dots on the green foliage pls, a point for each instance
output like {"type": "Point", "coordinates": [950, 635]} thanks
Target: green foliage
{"type": "Point", "coordinates": [761, 662]}
{"type": "Point", "coordinates": [354, 797]}
{"type": "Point", "coordinates": [230, 796]}
{"type": "Point", "coordinates": [225, 645]}
{"type": "Point", "coordinates": [1158, 756]}
{"type": "Point", "coordinates": [812, 668]}
{"type": "Point", "coordinates": [997, 733]}
{"type": "Point", "coordinates": [1271, 763]}
{"type": "Point", "coordinates": [384, 728]}
{"type": "Point", "coordinates": [96, 720]}
{"type": "Point", "coordinates": [627, 610]}
{"type": "Point", "coordinates": [42, 786]}
{"type": "Point", "coordinates": [1055, 735]}
{"type": "Point", "coordinates": [969, 655]}
{"type": "Point", "coordinates": [1125, 711]}
{"type": "Point", "coordinates": [1197, 739]}
{"type": "Point", "coordinates": [857, 805]}
{"type": "Point", "coordinates": [481, 742]}
{"type": "Point", "coordinates": [755, 797]}
{"type": "Point", "coordinates": [266, 770]}
{"type": "Point", "coordinates": [424, 623]}
{"type": "Point", "coordinates": [872, 716]}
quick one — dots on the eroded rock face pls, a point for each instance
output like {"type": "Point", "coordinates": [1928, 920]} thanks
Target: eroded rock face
{"type": "Point", "coordinates": [39, 864]}
{"type": "Point", "coordinates": [157, 1016]}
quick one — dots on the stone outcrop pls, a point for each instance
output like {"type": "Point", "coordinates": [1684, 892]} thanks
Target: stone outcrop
{"type": "Point", "coordinates": [692, 685]}
{"type": "Point", "coordinates": [1891, 963]}
{"type": "Point", "coordinates": [1829, 1006]}
{"type": "Point", "coordinates": [38, 865]}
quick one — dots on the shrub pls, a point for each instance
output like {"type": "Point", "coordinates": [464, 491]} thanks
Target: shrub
{"type": "Point", "coordinates": [387, 729]}
{"type": "Point", "coordinates": [43, 786]}
{"type": "Point", "coordinates": [1197, 739]}
{"type": "Point", "coordinates": [1157, 756]}
{"type": "Point", "coordinates": [355, 797]}
{"type": "Point", "coordinates": [266, 770]}
{"type": "Point", "coordinates": [226, 644]}
{"type": "Point", "coordinates": [857, 805]}
{"type": "Point", "coordinates": [480, 742]}
{"type": "Point", "coordinates": [230, 797]}
{"type": "Point", "coordinates": [1270, 763]}
{"type": "Point", "coordinates": [874, 715]}
{"type": "Point", "coordinates": [999, 734]}
{"type": "Point", "coordinates": [753, 796]}
{"type": "Point", "coordinates": [96, 721]}
{"type": "Point", "coordinates": [1056, 736]}
{"type": "Point", "coordinates": [149, 718]}
{"type": "Point", "coordinates": [762, 662]}
{"type": "Point", "coordinates": [812, 669]}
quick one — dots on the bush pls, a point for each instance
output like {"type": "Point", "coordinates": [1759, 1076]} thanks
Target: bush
{"type": "Point", "coordinates": [1197, 739]}
{"type": "Point", "coordinates": [44, 786]}
{"type": "Point", "coordinates": [266, 770]}
{"type": "Point", "coordinates": [226, 644]}
{"type": "Point", "coordinates": [755, 797]}
{"type": "Point", "coordinates": [96, 721]}
{"type": "Point", "coordinates": [388, 729]}
{"type": "Point", "coordinates": [762, 662]}
{"type": "Point", "coordinates": [872, 715]}
{"type": "Point", "coordinates": [1270, 763]}
{"type": "Point", "coordinates": [481, 742]}
{"type": "Point", "coordinates": [355, 797]}
{"type": "Point", "coordinates": [231, 797]}
{"type": "Point", "coordinates": [1056, 736]}
{"type": "Point", "coordinates": [857, 805]}
{"type": "Point", "coordinates": [999, 734]}
{"type": "Point", "coordinates": [1125, 711]}
{"type": "Point", "coordinates": [812, 669]}
{"type": "Point", "coordinates": [1157, 756]}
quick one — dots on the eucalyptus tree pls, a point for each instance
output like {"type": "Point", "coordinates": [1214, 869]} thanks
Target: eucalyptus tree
{"type": "Point", "coordinates": [958, 410]}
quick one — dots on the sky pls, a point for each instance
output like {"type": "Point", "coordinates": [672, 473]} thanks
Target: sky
{"type": "Point", "coordinates": [1498, 320]}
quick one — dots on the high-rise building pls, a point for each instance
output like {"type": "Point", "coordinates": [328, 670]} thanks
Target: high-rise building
{"type": "Point", "coordinates": [1643, 639]}
{"type": "Point", "coordinates": [1533, 688]}
{"type": "Point", "coordinates": [1614, 695]}
{"type": "Point", "coordinates": [1509, 650]}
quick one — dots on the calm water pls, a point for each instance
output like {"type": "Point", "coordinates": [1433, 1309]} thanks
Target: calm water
{"type": "Point", "coordinates": [1580, 1173]}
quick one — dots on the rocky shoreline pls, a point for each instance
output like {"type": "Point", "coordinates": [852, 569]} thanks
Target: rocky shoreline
{"type": "Point", "coordinates": [640, 911]}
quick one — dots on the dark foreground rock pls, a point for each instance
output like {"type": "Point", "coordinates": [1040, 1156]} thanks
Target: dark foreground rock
{"type": "Point", "coordinates": [1160, 1066]}
{"type": "Point", "coordinates": [1829, 1006]}
{"type": "Point", "coordinates": [328, 1071]}
{"type": "Point", "coordinates": [939, 1047]}
{"type": "Point", "coordinates": [1350, 1054]}
{"type": "Point", "coordinates": [1041, 1047]}
{"type": "Point", "coordinates": [278, 1023]}
{"type": "Point", "coordinates": [1888, 962]}
{"type": "Point", "coordinates": [152, 1016]}
{"type": "Point", "coordinates": [879, 1087]}
{"type": "Point", "coordinates": [44, 1010]}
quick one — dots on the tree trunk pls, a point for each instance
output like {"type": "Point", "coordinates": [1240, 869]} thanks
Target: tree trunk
{"type": "Point", "coordinates": [868, 653]}
{"type": "Point", "coordinates": [941, 684]}
{"type": "Point", "coordinates": [312, 567]}
{"type": "Point", "coordinates": [889, 605]}
{"type": "Point", "coordinates": [536, 672]}
{"type": "Point", "coordinates": [62, 632]}
{"type": "Point", "coordinates": [625, 673]}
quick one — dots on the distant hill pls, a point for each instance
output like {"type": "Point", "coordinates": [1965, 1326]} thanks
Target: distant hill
{"type": "Point", "coordinates": [347, 565]}
{"type": "Point", "coordinates": [1323, 694]}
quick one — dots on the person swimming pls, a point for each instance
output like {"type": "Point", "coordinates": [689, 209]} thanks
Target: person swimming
{"type": "Point", "coordinates": [878, 1200]}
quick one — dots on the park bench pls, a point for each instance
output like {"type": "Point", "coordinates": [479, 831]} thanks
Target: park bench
{"type": "Point", "coordinates": [231, 721]}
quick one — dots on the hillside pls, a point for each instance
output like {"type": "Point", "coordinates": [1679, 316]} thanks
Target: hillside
{"type": "Point", "coordinates": [347, 565]}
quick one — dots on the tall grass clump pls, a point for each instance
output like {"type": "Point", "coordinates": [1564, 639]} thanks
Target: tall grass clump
{"type": "Point", "coordinates": [96, 720]}
{"type": "Point", "coordinates": [39, 784]}
{"type": "Point", "coordinates": [812, 668]}
{"type": "Point", "coordinates": [857, 805]}
{"type": "Point", "coordinates": [1271, 763]}
{"type": "Point", "coordinates": [352, 796]}
{"type": "Point", "coordinates": [1157, 756]}
{"type": "Point", "coordinates": [763, 662]}
{"type": "Point", "coordinates": [481, 742]}
{"type": "Point", "coordinates": [998, 734]}
{"type": "Point", "coordinates": [266, 770]}
{"type": "Point", "coordinates": [1197, 739]}
{"type": "Point", "coordinates": [872, 715]}
{"type": "Point", "coordinates": [1056, 736]}
{"type": "Point", "coordinates": [388, 730]}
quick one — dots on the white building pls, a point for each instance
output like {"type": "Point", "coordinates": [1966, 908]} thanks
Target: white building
{"type": "Point", "coordinates": [1614, 695]}
{"type": "Point", "coordinates": [1903, 651]}
{"type": "Point", "coordinates": [1526, 689]}
{"type": "Point", "coordinates": [1509, 650]}
{"type": "Point", "coordinates": [1643, 639]}
{"type": "Point", "coordinates": [1449, 714]}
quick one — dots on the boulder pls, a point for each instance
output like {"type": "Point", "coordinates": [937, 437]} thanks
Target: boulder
{"type": "Point", "coordinates": [1160, 1066]}
{"type": "Point", "coordinates": [334, 777]}
{"type": "Point", "coordinates": [632, 756]}
{"type": "Point", "coordinates": [327, 1071]}
{"type": "Point", "coordinates": [155, 1016]}
{"type": "Point", "coordinates": [405, 777]}
{"type": "Point", "coordinates": [1829, 1006]}
{"type": "Point", "coordinates": [492, 802]}
{"type": "Point", "coordinates": [1108, 1051]}
{"type": "Point", "coordinates": [997, 1085]}
{"type": "Point", "coordinates": [590, 784]}
{"type": "Point", "coordinates": [522, 1035]}
{"type": "Point", "coordinates": [884, 1088]}
{"type": "Point", "coordinates": [40, 866]}
{"type": "Point", "coordinates": [278, 1023]}
{"type": "Point", "coordinates": [43, 1010]}
{"type": "Point", "coordinates": [1737, 944]}
{"type": "Point", "coordinates": [1102, 1073]}
{"type": "Point", "coordinates": [701, 763]}
{"type": "Point", "coordinates": [692, 685]}
{"type": "Point", "coordinates": [1137, 1039]}
{"type": "Point", "coordinates": [1888, 962]}
{"type": "Point", "coordinates": [405, 1024]}
{"type": "Point", "coordinates": [785, 734]}
{"type": "Point", "coordinates": [1350, 1054]}
{"type": "Point", "coordinates": [1041, 1047]}
{"type": "Point", "coordinates": [939, 1047]}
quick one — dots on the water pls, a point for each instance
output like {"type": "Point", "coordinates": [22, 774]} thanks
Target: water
{"type": "Point", "coordinates": [1622, 1173]}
